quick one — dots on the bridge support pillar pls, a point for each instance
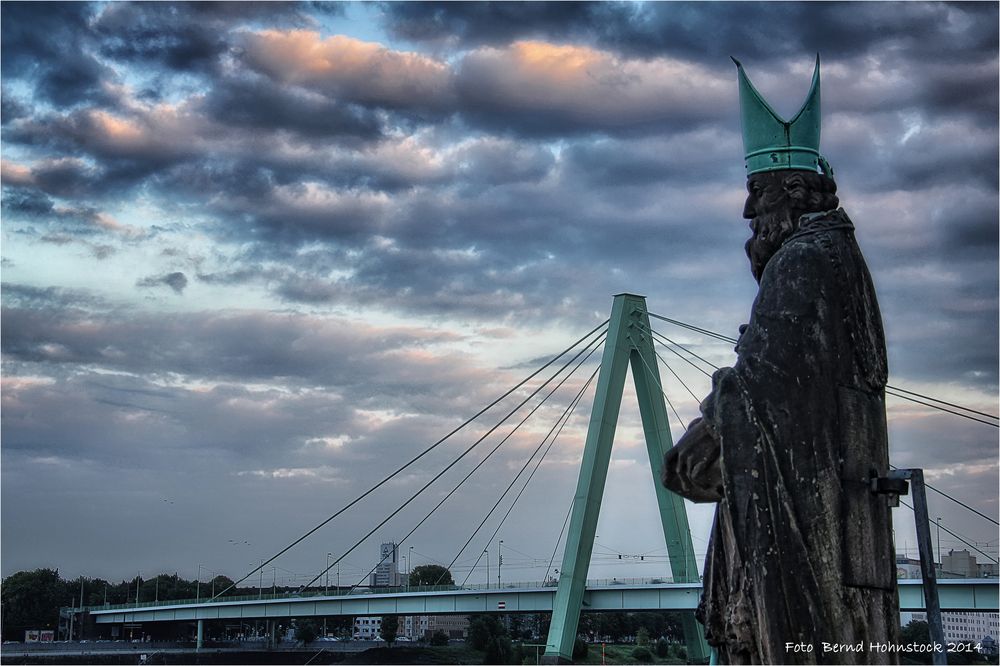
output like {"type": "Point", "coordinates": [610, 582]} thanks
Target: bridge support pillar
{"type": "Point", "coordinates": [272, 634]}
{"type": "Point", "coordinates": [201, 634]}
{"type": "Point", "coordinates": [629, 342]}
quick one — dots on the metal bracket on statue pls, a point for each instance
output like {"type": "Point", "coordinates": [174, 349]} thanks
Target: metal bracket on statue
{"type": "Point", "coordinates": [894, 485]}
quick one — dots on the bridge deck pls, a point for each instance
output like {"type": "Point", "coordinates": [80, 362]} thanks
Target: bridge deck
{"type": "Point", "coordinates": [955, 595]}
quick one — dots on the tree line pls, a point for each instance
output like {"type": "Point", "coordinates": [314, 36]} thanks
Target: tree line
{"type": "Point", "coordinates": [32, 599]}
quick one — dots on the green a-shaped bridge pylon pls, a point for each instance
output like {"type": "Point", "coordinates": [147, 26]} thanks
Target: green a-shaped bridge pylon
{"type": "Point", "coordinates": [629, 341]}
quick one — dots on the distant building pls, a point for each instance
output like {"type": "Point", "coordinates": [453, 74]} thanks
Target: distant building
{"type": "Point", "coordinates": [416, 627]}
{"type": "Point", "coordinates": [386, 574]}
{"type": "Point", "coordinates": [367, 628]}
{"type": "Point", "coordinates": [967, 627]}
{"type": "Point", "coordinates": [907, 568]}
{"type": "Point", "coordinates": [962, 563]}
{"type": "Point", "coordinates": [956, 564]}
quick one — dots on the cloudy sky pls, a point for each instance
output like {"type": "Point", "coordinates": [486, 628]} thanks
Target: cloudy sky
{"type": "Point", "coordinates": [256, 256]}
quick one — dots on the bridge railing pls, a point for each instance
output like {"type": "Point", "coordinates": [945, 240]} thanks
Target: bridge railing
{"type": "Point", "coordinates": [399, 589]}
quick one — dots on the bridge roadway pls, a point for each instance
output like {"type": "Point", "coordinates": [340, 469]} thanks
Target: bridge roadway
{"type": "Point", "coordinates": [955, 594]}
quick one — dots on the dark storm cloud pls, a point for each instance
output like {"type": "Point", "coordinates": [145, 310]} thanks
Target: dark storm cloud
{"type": "Point", "coordinates": [301, 388]}
{"type": "Point", "coordinates": [260, 104]}
{"type": "Point", "coordinates": [66, 177]}
{"type": "Point", "coordinates": [46, 44]}
{"type": "Point", "coordinates": [34, 206]}
{"type": "Point", "coordinates": [690, 157]}
{"type": "Point", "coordinates": [477, 23]}
{"type": "Point", "coordinates": [11, 108]}
{"type": "Point", "coordinates": [530, 88]}
{"type": "Point", "coordinates": [186, 36]}
{"type": "Point", "coordinates": [245, 347]}
{"type": "Point", "coordinates": [54, 298]}
{"type": "Point", "coordinates": [176, 281]}
{"type": "Point", "coordinates": [757, 30]}
{"type": "Point", "coordinates": [902, 151]}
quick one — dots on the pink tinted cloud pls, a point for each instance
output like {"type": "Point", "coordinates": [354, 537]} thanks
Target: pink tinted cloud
{"type": "Point", "coordinates": [349, 68]}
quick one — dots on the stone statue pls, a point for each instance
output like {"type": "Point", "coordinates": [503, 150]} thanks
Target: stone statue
{"type": "Point", "coordinates": [800, 567]}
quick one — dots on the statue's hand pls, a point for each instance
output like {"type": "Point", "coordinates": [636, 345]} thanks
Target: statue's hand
{"type": "Point", "coordinates": [692, 468]}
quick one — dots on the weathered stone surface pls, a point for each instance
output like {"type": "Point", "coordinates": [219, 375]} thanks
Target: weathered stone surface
{"type": "Point", "coordinates": [801, 550]}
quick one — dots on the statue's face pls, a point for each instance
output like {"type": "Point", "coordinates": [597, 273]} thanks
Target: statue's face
{"type": "Point", "coordinates": [765, 195]}
{"type": "Point", "coordinates": [770, 214]}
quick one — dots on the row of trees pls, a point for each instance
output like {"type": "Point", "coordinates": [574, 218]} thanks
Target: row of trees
{"type": "Point", "coordinates": [31, 599]}
{"type": "Point", "coordinates": [499, 636]}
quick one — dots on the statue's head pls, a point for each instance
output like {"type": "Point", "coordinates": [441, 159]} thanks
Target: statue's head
{"type": "Point", "coordinates": [776, 200]}
{"type": "Point", "coordinates": [786, 175]}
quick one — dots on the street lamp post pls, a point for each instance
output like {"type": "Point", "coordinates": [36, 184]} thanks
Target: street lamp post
{"type": "Point", "coordinates": [198, 585]}
{"type": "Point", "coordinates": [486, 552]}
{"type": "Point", "coordinates": [940, 554]}
{"type": "Point", "coordinates": [409, 566]}
{"type": "Point", "coordinates": [260, 582]}
{"type": "Point", "coordinates": [326, 588]}
{"type": "Point", "coordinates": [499, 562]}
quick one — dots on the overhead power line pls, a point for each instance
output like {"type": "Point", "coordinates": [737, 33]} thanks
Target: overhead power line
{"type": "Point", "coordinates": [990, 557]}
{"type": "Point", "coordinates": [957, 501]}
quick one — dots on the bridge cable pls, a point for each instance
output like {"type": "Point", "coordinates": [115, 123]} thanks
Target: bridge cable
{"type": "Point", "coordinates": [724, 338]}
{"type": "Point", "coordinates": [889, 391]}
{"type": "Point", "coordinates": [415, 458]}
{"type": "Point", "coordinates": [481, 462]}
{"type": "Point", "coordinates": [677, 525]}
{"type": "Point", "coordinates": [663, 340]}
{"type": "Point", "coordinates": [558, 539]}
{"type": "Point", "coordinates": [454, 462]}
{"type": "Point", "coordinates": [676, 376]}
{"type": "Point", "coordinates": [565, 419]}
{"type": "Point", "coordinates": [656, 381]}
{"type": "Point", "coordinates": [894, 391]}
{"type": "Point", "coordinates": [956, 501]}
{"type": "Point", "coordinates": [990, 557]}
{"type": "Point", "coordinates": [950, 404]}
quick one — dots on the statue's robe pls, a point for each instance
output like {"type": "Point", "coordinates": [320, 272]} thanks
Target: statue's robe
{"type": "Point", "coordinates": [801, 549]}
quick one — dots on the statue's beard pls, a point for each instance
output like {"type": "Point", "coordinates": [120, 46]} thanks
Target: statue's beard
{"type": "Point", "coordinates": [770, 230]}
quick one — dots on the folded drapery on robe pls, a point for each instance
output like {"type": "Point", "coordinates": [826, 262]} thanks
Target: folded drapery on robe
{"type": "Point", "coordinates": [801, 549]}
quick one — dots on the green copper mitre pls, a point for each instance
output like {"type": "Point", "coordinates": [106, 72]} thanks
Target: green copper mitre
{"type": "Point", "coordinates": [772, 143]}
